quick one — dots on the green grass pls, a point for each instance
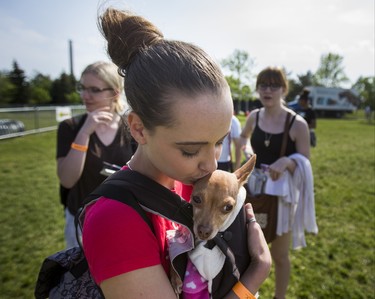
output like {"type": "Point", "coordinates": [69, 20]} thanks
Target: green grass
{"type": "Point", "coordinates": [338, 262]}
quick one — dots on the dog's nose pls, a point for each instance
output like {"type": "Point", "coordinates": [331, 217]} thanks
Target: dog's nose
{"type": "Point", "coordinates": [204, 232]}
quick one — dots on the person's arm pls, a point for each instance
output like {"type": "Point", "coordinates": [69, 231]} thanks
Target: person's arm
{"type": "Point", "coordinates": [150, 282]}
{"type": "Point", "coordinates": [261, 260]}
{"type": "Point", "coordinates": [247, 130]}
{"type": "Point", "coordinates": [237, 152]}
{"type": "Point", "coordinates": [235, 136]}
{"type": "Point", "coordinates": [70, 167]}
{"type": "Point", "coordinates": [299, 132]}
{"type": "Point", "coordinates": [123, 253]}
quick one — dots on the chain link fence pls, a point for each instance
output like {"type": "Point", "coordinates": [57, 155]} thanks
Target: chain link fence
{"type": "Point", "coordinates": [21, 121]}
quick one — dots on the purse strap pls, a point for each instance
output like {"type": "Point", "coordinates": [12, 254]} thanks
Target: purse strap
{"type": "Point", "coordinates": [285, 136]}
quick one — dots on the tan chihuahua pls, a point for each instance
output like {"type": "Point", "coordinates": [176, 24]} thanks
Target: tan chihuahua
{"type": "Point", "coordinates": [214, 198]}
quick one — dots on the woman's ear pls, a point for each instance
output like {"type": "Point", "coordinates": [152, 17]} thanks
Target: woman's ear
{"type": "Point", "coordinates": [136, 128]}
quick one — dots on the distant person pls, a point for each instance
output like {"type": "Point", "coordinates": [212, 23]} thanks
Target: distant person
{"type": "Point", "coordinates": [88, 141]}
{"type": "Point", "coordinates": [305, 110]}
{"type": "Point", "coordinates": [368, 113]}
{"type": "Point", "coordinates": [226, 161]}
{"type": "Point", "coordinates": [295, 210]}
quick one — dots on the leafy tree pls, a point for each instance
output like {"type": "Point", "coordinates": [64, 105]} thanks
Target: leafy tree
{"type": "Point", "coordinates": [7, 89]}
{"type": "Point", "coordinates": [40, 87]}
{"type": "Point", "coordinates": [18, 78]}
{"type": "Point", "coordinates": [366, 89]}
{"type": "Point", "coordinates": [239, 64]}
{"type": "Point", "coordinates": [62, 88]}
{"type": "Point", "coordinates": [330, 72]}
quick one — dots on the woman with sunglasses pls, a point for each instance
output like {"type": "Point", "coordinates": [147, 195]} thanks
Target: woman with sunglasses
{"type": "Point", "coordinates": [87, 143]}
{"type": "Point", "coordinates": [265, 129]}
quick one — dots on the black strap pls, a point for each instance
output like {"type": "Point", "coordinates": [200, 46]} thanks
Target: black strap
{"type": "Point", "coordinates": [145, 192]}
{"type": "Point", "coordinates": [123, 195]}
{"type": "Point", "coordinates": [285, 136]}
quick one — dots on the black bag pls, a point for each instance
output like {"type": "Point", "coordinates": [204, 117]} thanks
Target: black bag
{"type": "Point", "coordinates": [265, 209]}
{"type": "Point", "coordinates": [65, 274]}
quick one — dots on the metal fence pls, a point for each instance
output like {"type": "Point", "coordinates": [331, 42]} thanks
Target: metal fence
{"type": "Point", "coordinates": [21, 121]}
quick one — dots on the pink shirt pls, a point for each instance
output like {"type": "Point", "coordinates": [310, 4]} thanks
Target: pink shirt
{"type": "Point", "coordinates": [112, 231]}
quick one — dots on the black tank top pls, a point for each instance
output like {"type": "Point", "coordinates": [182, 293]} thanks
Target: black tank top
{"type": "Point", "coordinates": [268, 155]}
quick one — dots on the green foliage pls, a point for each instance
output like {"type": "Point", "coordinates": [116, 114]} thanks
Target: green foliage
{"type": "Point", "coordinates": [330, 72]}
{"type": "Point", "coordinates": [74, 98]}
{"type": "Point", "coordinates": [366, 88]}
{"type": "Point", "coordinates": [7, 89]}
{"type": "Point", "coordinates": [338, 262]}
{"type": "Point", "coordinates": [21, 91]}
{"type": "Point", "coordinates": [62, 88]}
{"type": "Point", "coordinates": [39, 96]}
{"type": "Point", "coordinates": [239, 65]}
{"type": "Point", "coordinates": [17, 89]}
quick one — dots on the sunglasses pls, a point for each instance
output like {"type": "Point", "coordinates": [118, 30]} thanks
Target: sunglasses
{"type": "Point", "coordinates": [273, 87]}
{"type": "Point", "coordinates": [92, 90]}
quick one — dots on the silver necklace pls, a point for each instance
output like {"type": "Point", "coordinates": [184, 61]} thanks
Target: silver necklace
{"type": "Point", "coordinates": [267, 139]}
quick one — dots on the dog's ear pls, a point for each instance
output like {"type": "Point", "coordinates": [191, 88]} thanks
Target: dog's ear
{"type": "Point", "coordinates": [243, 173]}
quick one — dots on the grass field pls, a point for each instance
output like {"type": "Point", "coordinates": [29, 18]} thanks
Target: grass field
{"type": "Point", "coordinates": [338, 262]}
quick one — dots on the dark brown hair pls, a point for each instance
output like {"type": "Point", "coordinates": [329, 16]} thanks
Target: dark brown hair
{"type": "Point", "coordinates": [304, 95]}
{"type": "Point", "coordinates": [273, 75]}
{"type": "Point", "coordinates": [156, 69]}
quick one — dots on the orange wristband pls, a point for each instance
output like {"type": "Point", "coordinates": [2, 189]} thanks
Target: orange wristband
{"type": "Point", "coordinates": [79, 147]}
{"type": "Point", "coordinates": [242, 292]}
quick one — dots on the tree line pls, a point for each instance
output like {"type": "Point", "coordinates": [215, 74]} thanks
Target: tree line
{"type": "Point", "coordinates": [16, 89]}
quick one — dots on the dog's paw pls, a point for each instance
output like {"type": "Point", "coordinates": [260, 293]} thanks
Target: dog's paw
{"type": "Point", "coordinates": [176, 282]}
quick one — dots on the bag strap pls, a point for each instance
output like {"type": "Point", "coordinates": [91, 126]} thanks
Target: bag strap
{"type": "Point", "coordinates": [144, 192]}
{"type": "Point", "coordinates": [285, 136]}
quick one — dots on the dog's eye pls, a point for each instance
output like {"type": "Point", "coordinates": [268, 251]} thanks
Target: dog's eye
{"type": "Point", "coordinates": [197, 199]}
{"type": "Point", "coordinates": [228, 208]}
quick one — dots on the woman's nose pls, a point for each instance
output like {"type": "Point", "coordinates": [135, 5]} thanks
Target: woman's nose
{"type": "Point", "coordinates": [209, 163]}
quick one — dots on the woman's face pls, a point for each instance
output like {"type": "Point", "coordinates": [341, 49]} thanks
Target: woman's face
{"type": "Point", "coordinates": [95, 93]}
{"type": "Point", "coordinates": [189, 150]}
{"type": "Point", "coordinates": [270, 94]}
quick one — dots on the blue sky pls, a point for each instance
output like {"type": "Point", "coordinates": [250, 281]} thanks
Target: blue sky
{"type": "Point", "coordinates": [289, 33]}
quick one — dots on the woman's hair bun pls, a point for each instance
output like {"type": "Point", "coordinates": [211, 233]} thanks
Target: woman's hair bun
{"type": "Point", "coordinates": [126, 35]}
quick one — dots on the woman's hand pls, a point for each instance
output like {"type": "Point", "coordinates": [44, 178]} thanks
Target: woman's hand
{"type": "Point", "coordinates": [261, 260]}
{"type": "Point", "coordinates": [101, 116]}
{"type": "Point", "coordinates": [277, 168]}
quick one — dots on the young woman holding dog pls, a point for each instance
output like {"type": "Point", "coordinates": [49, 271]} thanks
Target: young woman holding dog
{"type": "Point", "coordinates": [181, 110]}
{"type": "Point", "coordinates": [265, 127]}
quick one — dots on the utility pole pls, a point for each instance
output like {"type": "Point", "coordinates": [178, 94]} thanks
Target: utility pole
{"type": "Point", "coordinates": [71, 57]}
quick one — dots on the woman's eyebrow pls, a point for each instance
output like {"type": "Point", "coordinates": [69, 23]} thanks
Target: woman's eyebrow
{"type": "Point", "coordinates": [198, 142]}
{"type": "Point", "coordinates": [191, 143]}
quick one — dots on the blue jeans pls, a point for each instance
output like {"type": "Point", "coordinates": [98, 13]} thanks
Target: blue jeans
{"type": "Point", "coordinates": [70, 231]}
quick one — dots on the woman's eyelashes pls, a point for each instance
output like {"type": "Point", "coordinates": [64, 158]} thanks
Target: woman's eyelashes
{"type": "Point", "coordinates": [190, 153]}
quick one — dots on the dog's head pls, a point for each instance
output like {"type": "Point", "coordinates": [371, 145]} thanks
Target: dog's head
{"type": "Point", "coordinates": [214, 198]}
